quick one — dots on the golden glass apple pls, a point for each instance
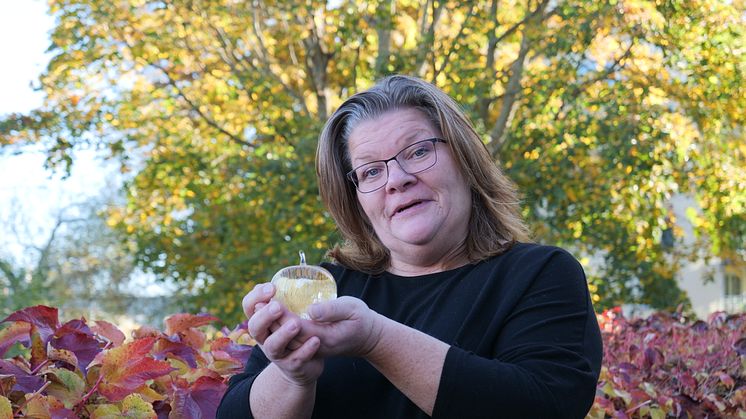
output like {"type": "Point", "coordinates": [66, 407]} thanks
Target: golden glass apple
{"type": "Point", "coordinates": [299, 286]}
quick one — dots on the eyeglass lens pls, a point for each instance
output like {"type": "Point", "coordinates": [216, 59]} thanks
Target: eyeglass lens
{"type": "Point", "coordinates": [412, 159]}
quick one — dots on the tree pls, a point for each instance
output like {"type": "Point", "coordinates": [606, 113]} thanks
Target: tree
{"type": "Point", "coordinates": [83, 267]}
{"type": "Point", "coordinates": [599, 111]}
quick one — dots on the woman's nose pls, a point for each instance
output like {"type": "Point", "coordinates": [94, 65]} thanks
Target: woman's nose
{"type": "Point", "coordinates": [398, 179]}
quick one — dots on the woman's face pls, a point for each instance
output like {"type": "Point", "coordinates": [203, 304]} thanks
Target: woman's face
{"type": "Point", "coordinates": [423, 217]}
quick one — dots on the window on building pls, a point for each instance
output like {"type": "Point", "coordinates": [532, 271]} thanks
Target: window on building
{"type": "Point", "coordinates": [732, 285]}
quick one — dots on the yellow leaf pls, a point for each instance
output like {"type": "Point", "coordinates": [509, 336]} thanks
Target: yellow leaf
{"type": "Point", "coordinates": [134, 406]}
{"type": "Point", "coordinates": [106, 411]}
{"type": "Point", "coordinates": [6, 410]}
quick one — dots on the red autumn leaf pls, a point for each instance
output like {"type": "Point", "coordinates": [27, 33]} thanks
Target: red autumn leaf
{"type": "Point", "coordinates": [145, 331]}
{"type": "Point", "coordinates": [740, 346]}
{"type": "Point", "coordinates": [7, 381]}
{"type": "Point", "coordinates": [25, 381]}
{"type": "Point", "coordinates": [15, 332]}
{"type": "Point", "coordinates": [85, 346]}
{"type": "Point", "coordinates": [223, 363]}
{"type": "Point", "coordinates": [44, 318]}
{"type": "Point", "coordinates": [726, 379]}
{"type": "Point", "coordinates": [207, 392]}
{"type": "Point", "coordinates": [184, 407]}
{"type": "Point", "coordinates": [109, 331]}
{"type": "Point", "coordinates": [172, 346]}
{"type": "Point", "coordinates": [79, 325]}
{"type": "Point", "coordinates": [717, 318]}
{"type": "Point", "coordinates": [235, 350]}
{"type": "Point", "coordinates": [199, 400]}
{"type": "Point", "coordinates": [688, 382]}
{"type": "Point", "coordinates": [128, 367]}
{"type": "Point", "coordinates": [162, 409]}
{"type": "Point", "coordinates": [179, 322]}
{"type": "Point", "coordinates": [651, 357]}
{"type": "Point", "coordinates": [194, 338]}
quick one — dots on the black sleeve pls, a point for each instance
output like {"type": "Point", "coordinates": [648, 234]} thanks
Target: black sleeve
{"type": "Point", "coordinates": [235, 402]}
{"type": "Point", "coordinates": [546, 357]}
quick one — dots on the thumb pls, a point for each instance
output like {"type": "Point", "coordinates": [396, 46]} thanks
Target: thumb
{"type": "Point", "coordinates": [338, 309]}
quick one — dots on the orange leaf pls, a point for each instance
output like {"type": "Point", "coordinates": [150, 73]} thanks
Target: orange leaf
{"type": "Point", "coordinates": [145, 331]}
{"type": "Point", "coordinates": [46, 407]}
{"type": "Point", "coordinates": [16, 332]}
{"type": "Point", "coordinates": [179, 322]}
{"type": "Point", "coordinates": [109, 331]}
{"type": "Point", "coordinates": [64, 355]}
{"type": "Point", "coordinates": [38, 349]}
{"type": "Point", "coordinates": [128, 367]}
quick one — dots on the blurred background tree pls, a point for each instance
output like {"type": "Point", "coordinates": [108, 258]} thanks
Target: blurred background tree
{"type": "Point", "coordinates": [82, 267]}
{"type": "Point", "coordinates": [600, 111]}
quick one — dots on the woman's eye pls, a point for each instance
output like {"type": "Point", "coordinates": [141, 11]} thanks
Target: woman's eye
{"type": "Point", "coordinates": [371, 173]}
{"type": "Point", "coordinates": [419, 153]}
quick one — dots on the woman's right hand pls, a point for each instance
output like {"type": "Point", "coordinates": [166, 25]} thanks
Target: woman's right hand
{"type": "Point", "coordinates": [275, 328]}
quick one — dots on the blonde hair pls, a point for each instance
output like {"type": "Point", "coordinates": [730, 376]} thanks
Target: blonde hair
{"type": "Point", "coordinates": [495, 222]}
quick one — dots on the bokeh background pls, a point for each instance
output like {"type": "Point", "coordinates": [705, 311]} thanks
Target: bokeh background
{"type": "Point", "coordinates": [164, 160]}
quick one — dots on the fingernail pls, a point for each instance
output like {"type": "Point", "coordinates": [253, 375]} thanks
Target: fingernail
{"type": "Point", "coordinates": [274, 307]}
{"type": "Point", "coordinates": [267, 289]}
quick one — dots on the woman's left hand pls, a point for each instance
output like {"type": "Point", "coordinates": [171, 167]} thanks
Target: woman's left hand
{"type": "Point", "coordinates": [345, 326]}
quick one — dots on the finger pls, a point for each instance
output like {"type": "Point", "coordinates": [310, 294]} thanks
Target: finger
{"type": "Point", "coordinates": [297, 341]}
{"type": "Point", "coordinates": [304, 353]}
{"type": "Point", "coordinates": [342, 308]}
{"type": "Point", "coordinates": [276, 346]}
{"type": "Point", "coordinates": [260, 323]}
{"type": "Point", "coordinates": [261, 293]}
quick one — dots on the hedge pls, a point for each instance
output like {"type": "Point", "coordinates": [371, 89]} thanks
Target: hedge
{"type": "Point", "coordinates": [664, 365]}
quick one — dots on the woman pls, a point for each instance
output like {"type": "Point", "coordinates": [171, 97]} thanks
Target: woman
{"type": "Point", "coordinates": [444, 310]}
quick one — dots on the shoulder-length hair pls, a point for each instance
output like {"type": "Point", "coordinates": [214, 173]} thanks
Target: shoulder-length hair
{"type": "Point", "coordinates": [495, 222]}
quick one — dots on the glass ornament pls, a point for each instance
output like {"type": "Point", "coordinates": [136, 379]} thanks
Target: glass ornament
{"type": "Point", "coordinates": [299, 286]}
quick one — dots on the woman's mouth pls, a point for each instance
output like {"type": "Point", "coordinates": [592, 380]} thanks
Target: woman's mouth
{"type": "Point", "coordinates": [408, 207]}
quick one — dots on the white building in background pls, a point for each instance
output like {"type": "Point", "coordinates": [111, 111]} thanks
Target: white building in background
{"type": "Point", "coordinates": [727, 289]}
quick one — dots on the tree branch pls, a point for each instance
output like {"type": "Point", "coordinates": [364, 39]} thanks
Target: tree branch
{"type": "Point", "coordinates": [523, 21]}
{"type": "Point", "coordinates": [456, 39]}
{"type": "Point", "coordinates": [235, 138]}
{"type": "Point", "coordinates": [427, 39]}
{"type": "Point", "coordinates": [383, 32]}
{"type": "Point", "coordinates": [317, 61]}
{"type": "Point", "coordinates": [236, 63]}
{"type": "Point", "coordinates": [579, 88]}
{"type": "Point", "coordinates": [483, 104]}
{"type": "Point", "coordinates": [499, 131]}
{"type": "Point", "coordinates": [264, 57]}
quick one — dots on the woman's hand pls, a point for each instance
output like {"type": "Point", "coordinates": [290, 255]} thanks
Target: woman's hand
{"type": "Point", "coordinates": [275, 329]}
{"type": "Point", "coordinates": [346, 326]}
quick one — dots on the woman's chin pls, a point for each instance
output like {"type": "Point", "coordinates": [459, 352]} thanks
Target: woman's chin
{"type": "Point", "coordinates": [416, 236]}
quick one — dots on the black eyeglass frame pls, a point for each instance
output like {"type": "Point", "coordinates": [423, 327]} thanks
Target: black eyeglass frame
{"type": "Point", "coordinates": [352, 177]}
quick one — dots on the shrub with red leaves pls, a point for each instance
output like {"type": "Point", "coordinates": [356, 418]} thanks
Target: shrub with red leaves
{"type": "Point", "coordinates": [77, 370]}
{"type": "Point", "coordinates": [658, 367]}
{"type": "Point", "coordinates": [667, 366]}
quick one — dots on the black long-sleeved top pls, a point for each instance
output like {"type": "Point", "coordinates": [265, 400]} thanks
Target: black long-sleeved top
{"type": "Point", "coordinates": [523, 334]}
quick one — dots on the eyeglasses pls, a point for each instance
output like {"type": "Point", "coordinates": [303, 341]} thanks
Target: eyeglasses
{"type": "Point", "coordinates": [412, 159]}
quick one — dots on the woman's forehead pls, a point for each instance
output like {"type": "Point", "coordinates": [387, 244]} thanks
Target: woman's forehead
{"type": "Point", "coordinates": [391, 130]}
